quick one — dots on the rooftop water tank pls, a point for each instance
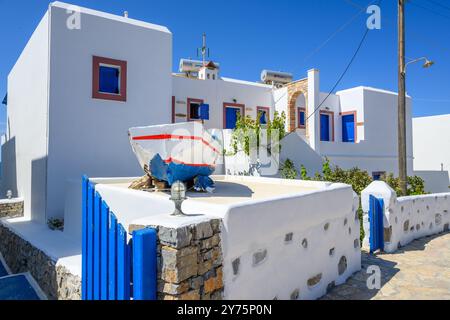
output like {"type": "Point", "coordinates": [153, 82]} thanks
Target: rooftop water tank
{"type": "Point", "coordinates": [276, 77]}
{"type": "Point", "coordinates": [187, 65]}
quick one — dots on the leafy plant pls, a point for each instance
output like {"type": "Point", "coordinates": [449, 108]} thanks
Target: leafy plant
{"type": "Point", "coordinates": [288, 170]}
{"type": "Point", "coordinates": [416, 185]}
{"type": "Point", "coordinates": [248, 130]}
{"type": "Point", "coordinates": [304, 173]}
{"type": "Point", "coordinates": [360, 179]}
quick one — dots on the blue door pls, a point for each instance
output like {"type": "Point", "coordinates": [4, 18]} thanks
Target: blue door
{"type": "Point", "coordinates": [324, 127]}
{"type": "Point", "coordinates": [231, 115]}
{"type": "Point", "coordinates": [376, 216]}
{"type": "Point", "coordinates": [348, 128]}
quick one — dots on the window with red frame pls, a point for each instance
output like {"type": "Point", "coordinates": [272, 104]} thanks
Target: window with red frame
{"type": "Point", "coordinates": [109, 79]}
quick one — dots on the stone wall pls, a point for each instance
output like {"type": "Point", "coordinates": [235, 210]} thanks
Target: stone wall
{"type": "Point", "coordinates": [189, 261]}
{"type": "Point", "coordinates": [407, 218]}
{"type": "Point", "coordinates": [11, 208]}
{"type": "Point", "coordinates": [21, 256]}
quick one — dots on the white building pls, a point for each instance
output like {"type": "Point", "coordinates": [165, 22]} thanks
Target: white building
{"type": "Point", "coordinates": [74, 93]}
{"type": "Point", "coordinates": [431, 136]}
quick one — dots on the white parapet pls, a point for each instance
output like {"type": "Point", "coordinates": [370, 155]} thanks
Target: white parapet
{"type": "Point", "coordinates": [406, 218]}
{"type": "Point", "coordinates": [284, 239]}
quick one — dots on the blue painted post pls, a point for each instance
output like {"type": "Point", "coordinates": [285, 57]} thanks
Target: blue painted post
{"type": "Point", "coordinates": [104, 250]}
{"type": "Point", "coordinates": [112, 278]}
{"type": "Point", "coordinates": [144, 264]}
{"type": "Point", "coordinates": [97, 245]}
{"type": "Point", "coordinates": [90, 242]}
{"type": "Point", "coordinates": [123, 266]}
{"type": "Point", "coordinates": [84, 246]}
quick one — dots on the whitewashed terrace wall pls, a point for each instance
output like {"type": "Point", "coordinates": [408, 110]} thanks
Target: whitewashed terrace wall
{"type": "Point", "coordinates": [293, 248]}
{"type": "Point", "coordinates": [407, 218]}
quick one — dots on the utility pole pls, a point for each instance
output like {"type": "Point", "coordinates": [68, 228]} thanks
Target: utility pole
{"type": "Point", "coordinates": [402, 162]}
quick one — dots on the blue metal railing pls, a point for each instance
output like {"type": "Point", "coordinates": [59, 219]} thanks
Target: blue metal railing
{"type": "Point", "coordinates": [114, 266]}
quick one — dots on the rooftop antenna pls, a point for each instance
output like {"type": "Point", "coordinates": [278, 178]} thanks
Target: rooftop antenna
{"type": "Point", "coordinates": [204, 50]}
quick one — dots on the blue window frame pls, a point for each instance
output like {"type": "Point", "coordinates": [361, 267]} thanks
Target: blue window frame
{"type": "Point", "coordinates": [348, 128]}
{"type": "Point", "coordinates": [109, 80]}
{"type": "Point", "coordinates": [301, 118]}
{"type": "Point", "coordinates": [324, 127]}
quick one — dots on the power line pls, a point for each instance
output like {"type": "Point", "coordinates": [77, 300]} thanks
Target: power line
{"type": "Point", "coordinates": [340, 29]}
{"type": "Point", "coordinates": [429, 9]}
{"type": "Point", "coordinates": [345, 71]}
{"type": "Point", "coordinates": [439, 4]}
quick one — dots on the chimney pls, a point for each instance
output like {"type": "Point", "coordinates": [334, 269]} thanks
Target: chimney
{"type": "Point", "coordinates": [125, 14]}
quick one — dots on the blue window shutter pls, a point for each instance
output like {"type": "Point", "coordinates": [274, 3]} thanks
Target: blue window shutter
{"type": "Point", "coordinates": [348, 128]}
{"type": "Point", "coordinates": [109, 80]}
{"type": "Point", "coordinates": [231, 117]}
{"type": "Point", "coordinates": [204, 111]}
{"type": "Point", "coordinates": [324, 127]}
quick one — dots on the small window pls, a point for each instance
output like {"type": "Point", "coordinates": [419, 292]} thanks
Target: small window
{"type": "Point", "coordinates": [263, 115]}
{"type": "Point", "coordinates": [378, 175]}
{"type": "Point", "coordinates": [301, 118]}
{"type": "Point", "coordinates": [194, 109]}
{"type": "Point", "coordinates": [109, 80]}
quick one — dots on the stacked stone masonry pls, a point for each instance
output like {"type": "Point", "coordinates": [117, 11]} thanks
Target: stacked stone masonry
{"type": "Point", "coordinates": [11, 209]}
{"type": "Point", "coordinates": [189, 261]}
{"type": "Point", "coordinates": [21, 256]}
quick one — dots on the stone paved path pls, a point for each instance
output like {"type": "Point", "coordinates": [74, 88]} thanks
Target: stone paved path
{"type": "Point", "coordinates": [419, 271]}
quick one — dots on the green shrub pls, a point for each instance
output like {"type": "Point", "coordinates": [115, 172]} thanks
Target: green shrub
{"type": "Point", "coordinates": [360, 179]}
{"type": "Point", "coordinates": [416, 185]}
{"type": "Point", "coordinates": [246, 126]}
{"type": "Point", "coordinates": [288, 170]}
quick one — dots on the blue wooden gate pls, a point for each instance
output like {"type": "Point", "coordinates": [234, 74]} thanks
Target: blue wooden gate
{"type": "Point", "coordinates": [114, 265]}
{"type": "Point", "coordinates": [376, 216]}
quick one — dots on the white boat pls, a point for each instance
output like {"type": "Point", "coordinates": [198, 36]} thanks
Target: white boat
{"type": "Point", "coordinates": [176, 152]}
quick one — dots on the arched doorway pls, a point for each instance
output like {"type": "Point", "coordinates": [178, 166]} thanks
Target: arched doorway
{"type": "Point", "coordinates": [295, 89]}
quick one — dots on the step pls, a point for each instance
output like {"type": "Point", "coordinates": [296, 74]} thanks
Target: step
{"type": "Point", "coordinates": [20, 287]}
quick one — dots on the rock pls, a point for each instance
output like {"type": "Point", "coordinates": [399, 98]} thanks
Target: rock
{"type": "Point", "coordinates": [342, 266]}
{"type": "Point", "coordinates": [177, 238]}
{"type": "Point", "coordinates": [289, 237]}
{"type": "Point", "coordinates": [314, 280]}
{"type": "Point", "coordinates": [295, 294]}
{"type": "Point", "coordinates": [203, 231]}
{"type": "Point", "coordinates": [438, 219]}
{"type": "Point", "coordinates": [406, 226]}
{"type": "Point", "coordinates": [305, 243]}
{"type": "Point", "coordinates": [259, 257]}
{"type": "Point", "coordinates": [236, 264]}
{"type": "Point", "coordinates": [387, 234]}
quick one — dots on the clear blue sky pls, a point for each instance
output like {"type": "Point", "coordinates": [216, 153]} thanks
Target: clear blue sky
{"type": "Point", "coordinates": [251, 35]}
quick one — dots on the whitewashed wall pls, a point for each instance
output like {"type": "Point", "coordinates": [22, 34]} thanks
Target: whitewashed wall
{"type": "Point", "coordinates": [24, 153]}
{"type": "Point", "coordinates": [377, 115]}
{"type": "Point", "coordinates": [91, 136]}
{"type": "Point", "coordinates": [216, 93]}
{"type": "Point", "coordinates": [407, 218]}
{"type": "Point", "coordinates": [272, 249]}
{"type": "Point", "coordinates": [431, 136]}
